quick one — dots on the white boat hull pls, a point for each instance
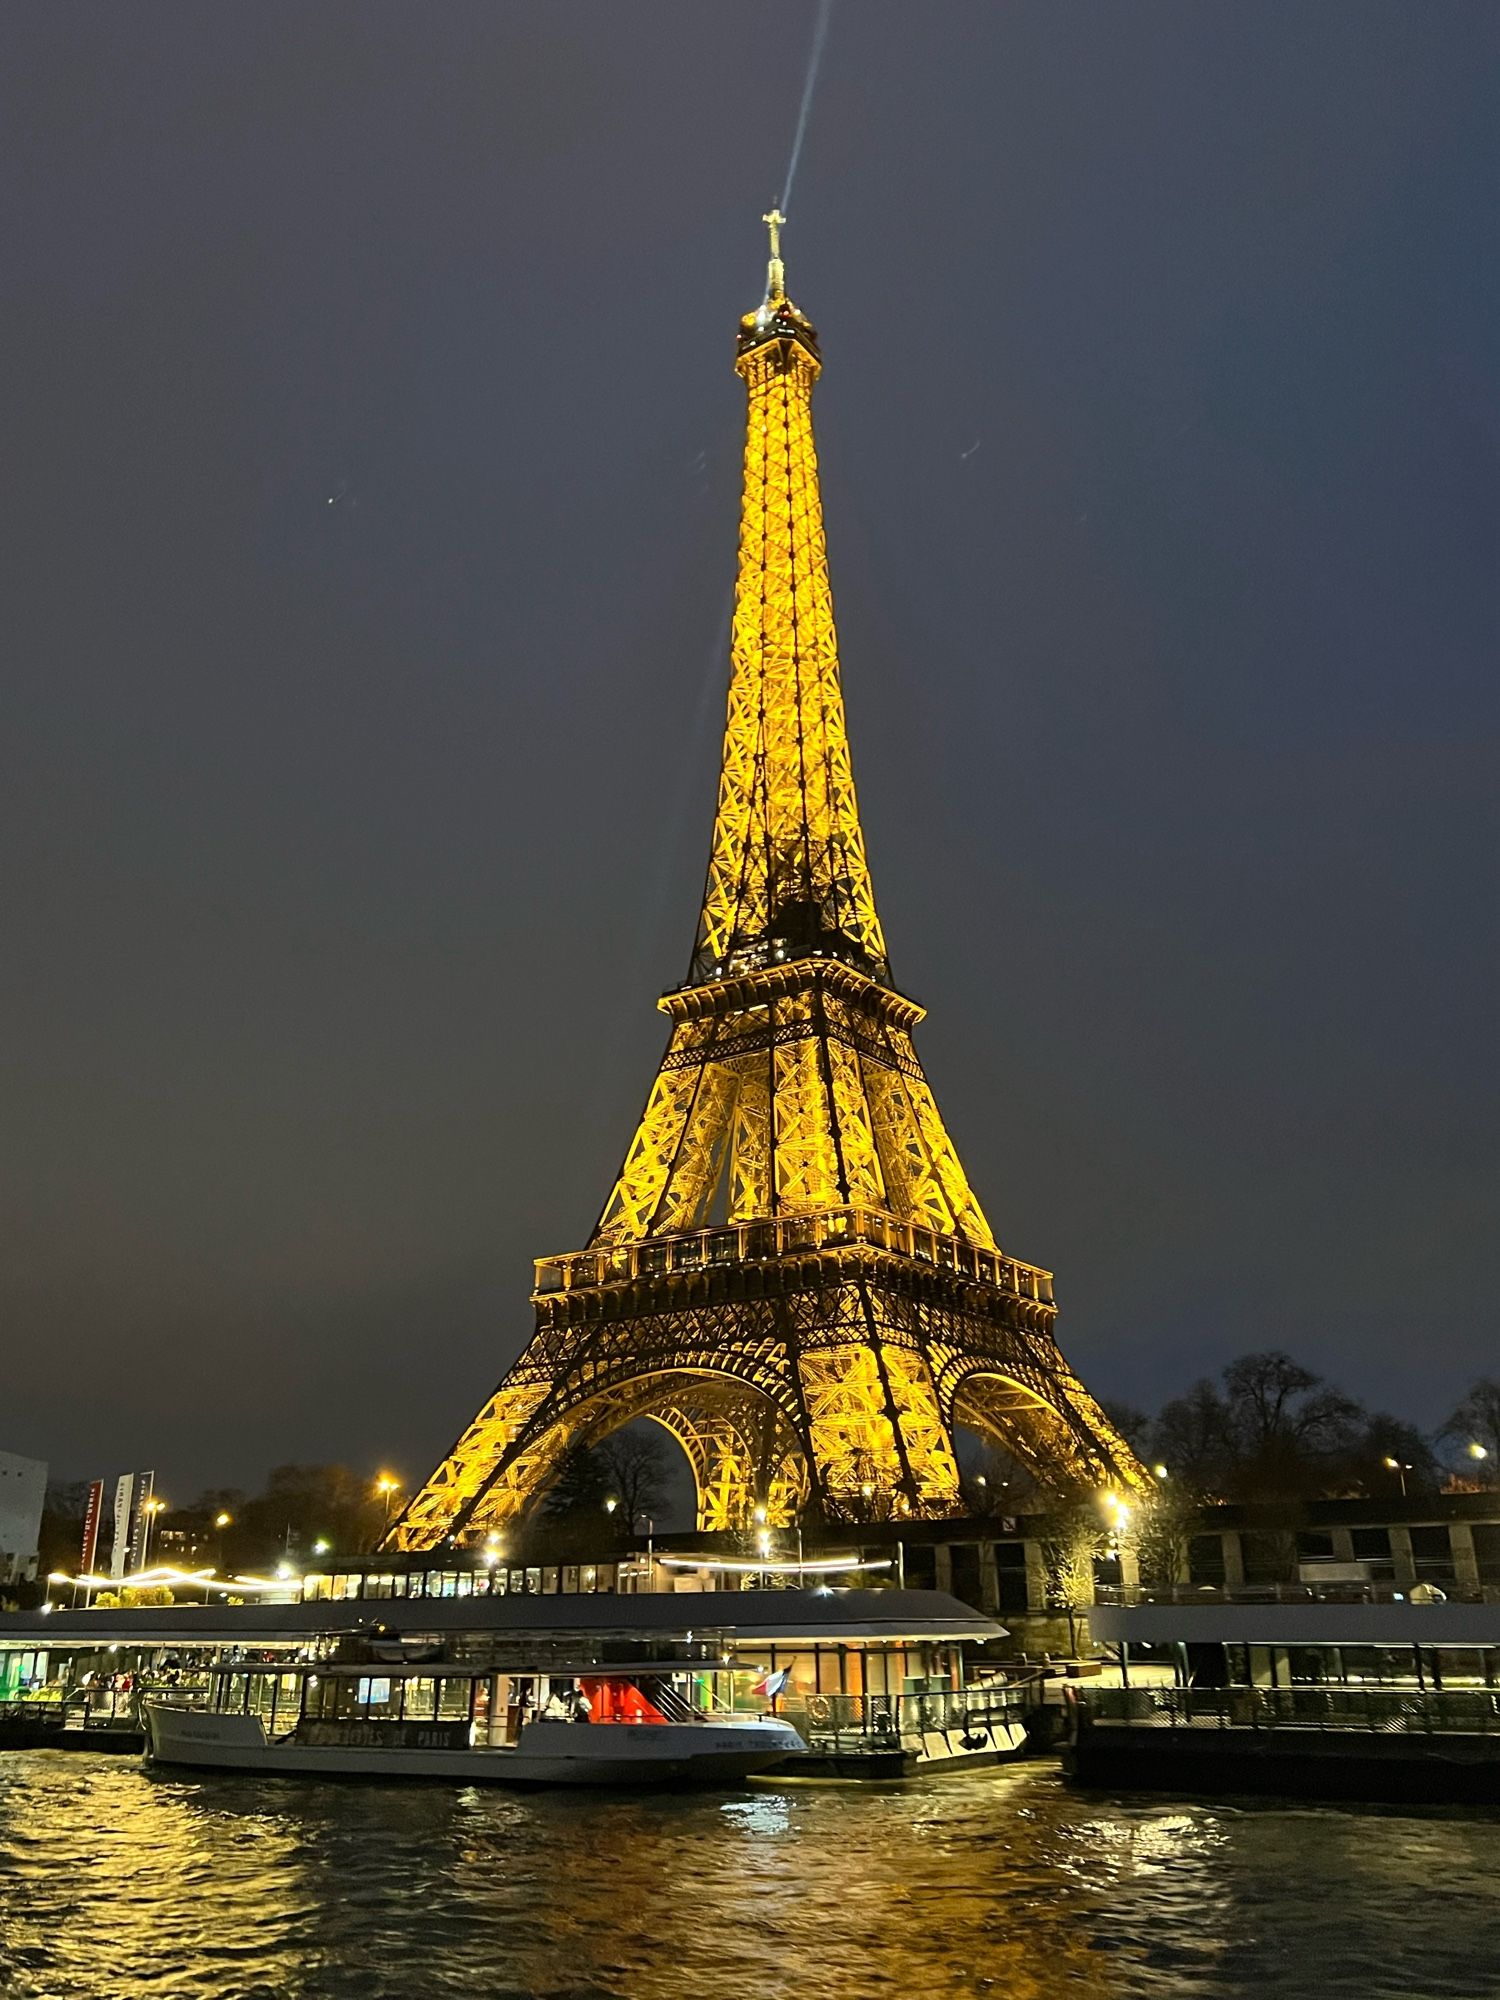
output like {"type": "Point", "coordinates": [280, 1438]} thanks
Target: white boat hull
{"type": "Point", "coordinates": [548, 1753]}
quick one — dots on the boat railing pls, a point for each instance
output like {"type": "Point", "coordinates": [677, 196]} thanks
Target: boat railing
{"type": "Point", "coordinates": [1424, 1590]}
{"type": "Point", "coordinates": [1381, 1711]}
{"type": "Point", "coordinates": [96, 1708]}
{"type": "Point", "coordinates": [853, 1724]}
{"type": "Point", "coordinates": [667, 1702]}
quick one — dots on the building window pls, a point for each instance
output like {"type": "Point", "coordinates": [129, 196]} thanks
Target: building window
{"type": "Point", "coordinates": [1206, 1561]}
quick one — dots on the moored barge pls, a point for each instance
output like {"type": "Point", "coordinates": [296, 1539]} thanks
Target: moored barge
{"type": "Point", "coordinates": [1387, 1701]}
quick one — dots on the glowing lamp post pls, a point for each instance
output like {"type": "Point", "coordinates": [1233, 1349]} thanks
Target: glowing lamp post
{"type": "Point", "coordinates": [151, 1510]}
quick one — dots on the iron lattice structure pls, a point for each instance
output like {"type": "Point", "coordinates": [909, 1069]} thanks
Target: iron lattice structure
{"type": "Point", "coordinates": [791, 1273]}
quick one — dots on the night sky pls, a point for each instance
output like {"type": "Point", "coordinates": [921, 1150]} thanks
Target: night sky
{"type": "Point", "coordinates": [370, 470]}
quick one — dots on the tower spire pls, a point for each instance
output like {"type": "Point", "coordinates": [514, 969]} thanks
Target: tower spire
{"type": "Point", "coordinates": [787, 875]}
{"type": "Point", "coordinates": [776, 270]}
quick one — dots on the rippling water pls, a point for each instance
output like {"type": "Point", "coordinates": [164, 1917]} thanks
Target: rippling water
{"type": "Point", "coordinates": [116, 1884]}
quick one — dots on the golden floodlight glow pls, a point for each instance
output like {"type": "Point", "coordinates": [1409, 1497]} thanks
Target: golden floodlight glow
{"type": "Point", "coordinates": [791, 1273]}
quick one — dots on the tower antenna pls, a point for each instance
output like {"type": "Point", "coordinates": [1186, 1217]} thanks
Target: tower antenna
{"type": "Point", "coordinates": [775, 270]}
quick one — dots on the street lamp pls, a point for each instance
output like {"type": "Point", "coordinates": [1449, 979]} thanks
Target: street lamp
{"type": "Point", "coordinates": [385, 1486]}
{"type": "Point", "coordinates": [151, 1509]}
{"type": "Point", "coordinates": [1160, 1471]}
{"type": "Point", "coordinates": [1400, 1467]}
{"type": "Point", "coordinates": [610, 1503]}
{"type": "Point", "coordinates": [1478, 1451]}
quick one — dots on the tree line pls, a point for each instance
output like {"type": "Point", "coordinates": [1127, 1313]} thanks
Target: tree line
{"type": "Point", "coordinates": [1271, 1429]}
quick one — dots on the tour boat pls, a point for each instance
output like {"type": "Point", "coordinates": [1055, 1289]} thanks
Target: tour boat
{"type": "Point", "coordinates": [593, 1725]}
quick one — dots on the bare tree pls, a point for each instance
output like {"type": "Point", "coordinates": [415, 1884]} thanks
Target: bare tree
{"type": "Point", "coordinates": [996, 1484]}
{"type": "Point", "coordinates": [635, 1468]}
{"type": "Point", "coordinates": [1476, 1421]}
{"type": "Point", "coordinates": [1072, 1539]}
{"type": "Point", "coordinates": [1274, 1429]}
{"type": "Point", "coordinates": [1161, 1531]}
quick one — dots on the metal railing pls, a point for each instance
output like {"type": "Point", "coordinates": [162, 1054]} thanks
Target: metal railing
{"type": "Point", "coordinates": [1424, 1590]}
{"type": "Point", "coordinates": [790, 1236]}
{"type": "Point", "coordinates": [108, 1709]}
{"type": "Point", "coordinates": [1380, 1711]}
{"type": "Point", "coordinates": [852, 1724]}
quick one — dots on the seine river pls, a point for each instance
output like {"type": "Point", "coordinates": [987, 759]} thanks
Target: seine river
{"type": "Point", "coordinates": [116, 1885]}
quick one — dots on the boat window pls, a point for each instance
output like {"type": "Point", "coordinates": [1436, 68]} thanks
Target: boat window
{"type": "Point", "coordinates": [454, 1697]}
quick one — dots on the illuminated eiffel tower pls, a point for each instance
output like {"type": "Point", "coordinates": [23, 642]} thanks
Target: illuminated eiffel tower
{"type": "Point", "coordinates": [792, 1273]}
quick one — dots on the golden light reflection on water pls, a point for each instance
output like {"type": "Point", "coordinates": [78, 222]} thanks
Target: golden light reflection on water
{"type": "Point", "coordinates": [120, 1884]}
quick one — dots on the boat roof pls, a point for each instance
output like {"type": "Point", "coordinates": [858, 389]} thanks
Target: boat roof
{"type": "Point", "coordinates": [1297, 1624]}
{"type": "Point", "coordinates": [766, 1617]}
{"type": "Point", "coordinates": [448, 1670]}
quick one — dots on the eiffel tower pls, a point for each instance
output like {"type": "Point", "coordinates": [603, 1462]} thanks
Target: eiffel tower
{"type": "Point", "coordinates": [791, 1273]}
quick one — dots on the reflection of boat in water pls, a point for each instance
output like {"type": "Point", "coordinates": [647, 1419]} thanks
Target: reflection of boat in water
{"type": "Point", "coordinates": [595, 1725]}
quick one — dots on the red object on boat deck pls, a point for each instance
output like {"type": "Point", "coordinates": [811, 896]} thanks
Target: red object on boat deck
{"type": "Point", "coordinates": [619, 1701]}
